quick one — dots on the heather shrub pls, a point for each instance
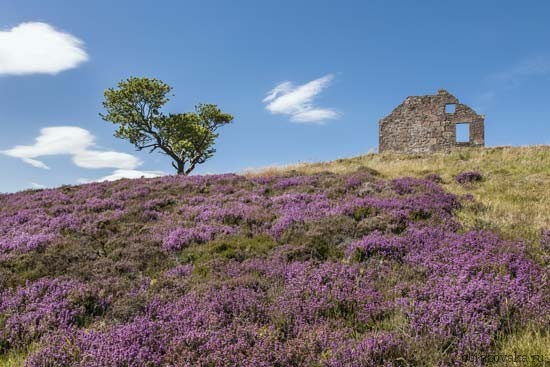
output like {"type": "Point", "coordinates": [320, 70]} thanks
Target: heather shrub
{"type": "Point", "coordinates": [545, 240]}
{"type": "Point", "coordinates": [468, 177]}
{"type": "Point", "coordinates": [52, 262]}
{"type": "Point", "coordinates": [501, 287]}
{"type": "Point", "coordinates": [99, 205]}
{"type": "Point", "coordinates": [320, 240]}
{"type": "Point", "coordinates": [367, 171]}
{"type": "Point", "coordinates": [158, 204]}
{"type": "Point", "coordinates": [127, 298]}
{"type": "Point", "coordinates": [294, 181]}
{"type": "Point", "coordinates": [233, 325]}
{"type": "Point", "coordinates": [137, 258]}
{"type": "Point", "coordinates": [224, 270]}
{"type": "Point", "coordinates": [381, 223]}
{"type": "Point", "coordinates": [378, 349]}
{"type": "Point", "coordinates": [180, 271]}
{"type": "Point", "coordinates": [331, 290]}
{"type": "Point", "coordinates": [32, 311]}
{"type": "Point", "coordinates": [434, 177]}
{"type": "Point", "coordinates": [377, 245]}
{"type": "Point", "coordinates": [183, 237]}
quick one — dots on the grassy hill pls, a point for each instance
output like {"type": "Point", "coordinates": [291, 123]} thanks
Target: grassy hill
{"type": "Point", "coordinates": [375, 260]}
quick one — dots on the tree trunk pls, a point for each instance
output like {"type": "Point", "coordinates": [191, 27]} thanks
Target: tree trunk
{"type": "Point", "coordinates": [180, 168]}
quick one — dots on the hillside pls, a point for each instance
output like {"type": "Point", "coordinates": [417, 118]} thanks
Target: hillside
{"type": "Point", "coordinates": [369, 261]}
{"type": "Point", "coordinates": [513, 198]}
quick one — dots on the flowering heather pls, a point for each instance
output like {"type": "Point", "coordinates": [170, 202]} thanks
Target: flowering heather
{"type": "Point", "coordinates": [183, 237]}
{"type": "Point", "coordinates": [377, 244]}
{"type": "Point", "coordinates": [311, 270]}
{"type": "Point", "coordinates": [294, 181]}
{"type": "Point", "coordinates": [180, 271]}
{"type": "Point", "coordinates": [32, 311]}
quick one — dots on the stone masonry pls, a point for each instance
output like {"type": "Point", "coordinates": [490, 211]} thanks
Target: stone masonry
{"type": "Point", "coordinates": [424, 124]}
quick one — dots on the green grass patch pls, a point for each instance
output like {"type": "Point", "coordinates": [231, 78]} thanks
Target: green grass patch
{"type": "Point", "coordinates": [236, 248]}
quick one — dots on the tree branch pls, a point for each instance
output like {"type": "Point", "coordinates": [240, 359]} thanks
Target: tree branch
{"type": "Point", "coordinates": [141, 147]}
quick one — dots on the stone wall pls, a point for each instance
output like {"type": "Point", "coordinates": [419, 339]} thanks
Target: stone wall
{"type": "Point", "coordinates": [421, 124]}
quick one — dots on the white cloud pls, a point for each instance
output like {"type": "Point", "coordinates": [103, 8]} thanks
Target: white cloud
{"type": "Point", "coordinates": [125, 173]}
{"type": "Point", "coordinates": [297, 101]}
{"type": "Point", "coordinates": [35, 163]}
{"type": "Point", "coordinates": [55, 140]}
{"type": "Point", "coordinates": [96, 159]}
{"type": "Point", "coordinates": [314, 115]}
{"type": "Point", "coordinates": [35, 47]}
{"type": "Point", "coordinates": [74, 141]}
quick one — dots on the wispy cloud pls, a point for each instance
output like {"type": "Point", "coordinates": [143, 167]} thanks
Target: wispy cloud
{"type": "Point", "coordinates": [35, 47]}
{"type": "Point", "coordinates": [537, 66]}
{"type": "Point", "coordinates": [73, 141]}
{"type": "Point", "coordinates": [125, 173]}
{"type": "Point", "coordinates": [529, 67]}
{"type": "Point", "coordinates": [297, 101]}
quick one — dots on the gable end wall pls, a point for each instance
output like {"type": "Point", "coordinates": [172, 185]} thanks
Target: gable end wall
{"type": "Point", "coordinates": [420, 125]}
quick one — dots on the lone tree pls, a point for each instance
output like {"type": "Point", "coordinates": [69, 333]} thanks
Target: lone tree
{"type": "Point", "coordinates": [188, 138]}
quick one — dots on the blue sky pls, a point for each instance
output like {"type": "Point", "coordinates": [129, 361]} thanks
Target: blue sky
{"type": "Point", "coordinates": [356, 60]}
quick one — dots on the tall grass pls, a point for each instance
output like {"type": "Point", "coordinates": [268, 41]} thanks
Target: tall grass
{"type": "Point", "coordinates": [13, 359]}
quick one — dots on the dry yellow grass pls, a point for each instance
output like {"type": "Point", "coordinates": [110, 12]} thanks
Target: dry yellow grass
{"type": "Point", "coordinates": [15, 359]}
{"type": "Point", "coordinates": [514, 197]}
{"type": "Point", "coordinates": [529, 347]}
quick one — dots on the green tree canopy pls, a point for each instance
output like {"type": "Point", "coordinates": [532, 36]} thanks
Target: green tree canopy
{"type": "Point", "coordinates": [187, 138]}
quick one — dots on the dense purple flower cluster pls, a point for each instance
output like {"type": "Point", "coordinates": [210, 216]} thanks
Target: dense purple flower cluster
{"type": "Point", "coordinates": [183, 237]}
{"type": "Point", "coordinates": [39, 307]}
{"type": "Point", "coordinates": [244, 324]}
{"type": "Point", "coordinates": [476, 286]}
{"type": "Point", "coordinates": [377, 244]}
{"type": "Point", "coordinates": [325, 270]}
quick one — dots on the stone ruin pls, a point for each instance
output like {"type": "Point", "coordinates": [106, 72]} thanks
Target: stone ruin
{"type": "Point", "coordinates": [423, 124]}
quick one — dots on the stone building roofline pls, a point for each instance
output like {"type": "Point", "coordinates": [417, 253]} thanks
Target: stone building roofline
{"type": "Point", "coordinates": [442, 94]}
